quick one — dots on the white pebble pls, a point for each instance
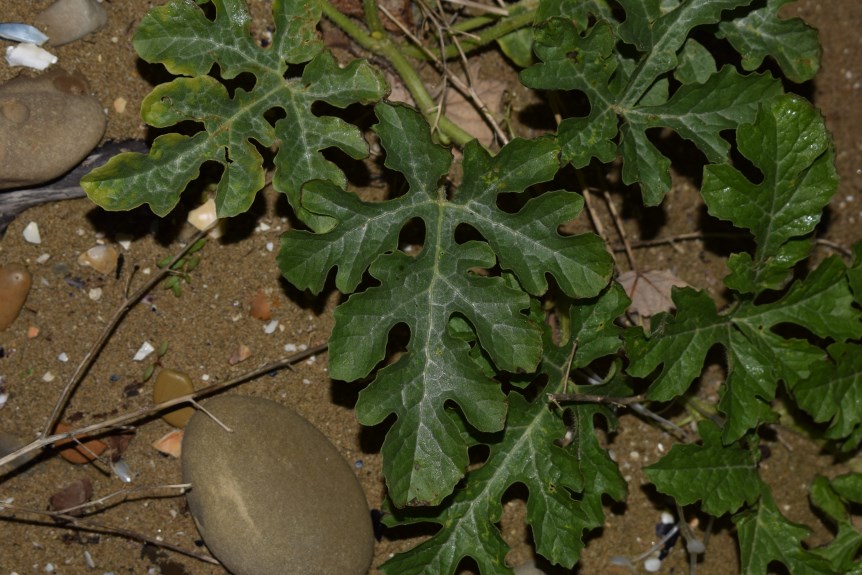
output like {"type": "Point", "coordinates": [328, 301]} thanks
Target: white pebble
{"type": "Point", "coordinates": [269, 246]}
{"type": "Point", "coordinates": [43, 258]}
{"type": "Point", "coordinates": [145, 350]}
{"type": "Point", "coordinates": [4, 397]}
{"type": "Point", "coordinates": [95, 294]}
{"type": "Point", "coordinates": [270, 327]}
{"type": "Point", "coordinates": [63, 357]}
{"type": "Point", "coordinates": [48, 377]}
{"type": "Point", "coordinates": [290, 347]}
{"type": "Point", "coordinates": [31, 233]}
{"type": "Point", "coordinates": [88, 559]}
{"type": "Point", "coordinates": [652, 565]}
{"type": "Point", "coordinates": [306, 381]}
{"type": "Point", "coordinates": [667, 518]}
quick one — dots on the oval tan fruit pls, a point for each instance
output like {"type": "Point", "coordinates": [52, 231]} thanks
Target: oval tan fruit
{"type": "Point", "coordinates": [15, 283]}
{"type": "Point", "coordinates": [273, 495]}
{"type": "Point", "coordinates": [171, 384]}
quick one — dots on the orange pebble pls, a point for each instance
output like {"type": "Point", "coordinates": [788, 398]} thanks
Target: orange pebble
{"type": "Point", "coordinates": [260, 308]}
{"type": "Point", "coordinates": [15, 283]}
{"type": "Point", "coordinates": [32, 332]}
{"type": "Point", "coordinates": [80, 454]}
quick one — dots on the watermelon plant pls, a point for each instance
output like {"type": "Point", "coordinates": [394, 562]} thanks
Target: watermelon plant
{"type": "Point", "coordinates": [480, 360]}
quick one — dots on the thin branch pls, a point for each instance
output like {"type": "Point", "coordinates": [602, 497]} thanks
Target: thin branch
{"type": "Point", "coordinates": [620, 229]}
{"type": "Point", "coordinates": [99, 527]}
{"type": "Point", "coordinates": [97, 346]}
{"type": "Point", "coordinates": [126, 418]}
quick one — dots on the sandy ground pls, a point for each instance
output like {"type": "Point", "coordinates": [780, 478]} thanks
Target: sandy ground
{"type": "Point", "coordinates": [210, 320]}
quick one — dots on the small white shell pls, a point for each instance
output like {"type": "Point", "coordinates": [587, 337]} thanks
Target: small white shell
{"type": "Point", "coordinates": [22, 33]}
{"type": "Point", "coordinates": [121, 470]}
{"type": "Point", "coordinates": [204, 217]}
{"type": "Point", "coordinates": [29, 55]}
{"type": "Point", "coordinates": [31, 233]}
{"type": "Point", "coordinates": [145, 350]}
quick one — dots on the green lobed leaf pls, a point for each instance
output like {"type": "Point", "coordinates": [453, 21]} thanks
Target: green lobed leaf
{"type": "Point", "coordinates": [722, 478]}
{"type": "Point", "coordinates": [757, 357]}
{"type": "Point", "coordinates": [179, 36]}
{"type": "Point", "coordinates": [593, 327]}
{"type": "Point", "coordinates": [633, 93]}
{"type": "Point", "coordinates": [424, 456]}
{"type": "Point", "coordinates": [833, 391]}
{"type": "Point", "coordinates": [761, 33]}
{"type": "Point", "coordinates": [565, 484]}
{"type": "Point", "coordinates": [765, 535]}
{"type": "Point", "coordinates": [789, 144]}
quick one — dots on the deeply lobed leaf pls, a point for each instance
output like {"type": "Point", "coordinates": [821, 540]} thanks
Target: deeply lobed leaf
{"type": "Point", "coordinates": [565, 484]}
{"type": "Point", "coordinates": [179, 36]}
{"type": "Point", "coordinates": [633, 92]}
{"type": "Point", "coordinates": [424, 455]}
{"type": "Point", "coordinates": [722, 478]}
{"type": "Point", "coordinates": [789, 144]}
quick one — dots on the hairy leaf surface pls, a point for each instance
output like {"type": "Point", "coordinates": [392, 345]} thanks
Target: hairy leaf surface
{"type": "Point", "coordinates": [231, 126]}
{"type": "Point", "coordinates": [424, 455]}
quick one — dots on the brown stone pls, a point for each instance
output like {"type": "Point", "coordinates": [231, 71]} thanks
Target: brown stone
{"type": "Point", "coordinates": [47, 126]}
{"type": "Point", "coordinates": [15, 283]}
{"type": "Point", "coordinates": [171, 384]}
{"type": "Point", "coordinates": [273, 495]}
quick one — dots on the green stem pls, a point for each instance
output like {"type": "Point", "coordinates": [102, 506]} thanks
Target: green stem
{"type": "Point", "coordinates": [385, 47]}
{"type": "Point", "coordinates": [515, 21]}
{"type": "Point", "coordinates": [372, 18]}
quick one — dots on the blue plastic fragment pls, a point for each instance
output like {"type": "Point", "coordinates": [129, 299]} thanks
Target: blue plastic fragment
{"type": "Point", "coordinates": [22, 33]}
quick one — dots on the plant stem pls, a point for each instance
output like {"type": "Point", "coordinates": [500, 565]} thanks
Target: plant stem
{"type": "Point", "coordinates": [385, 47]}
{"type": "Point", "coordinates": [516, 20]}
{"type": "Point", "coordinates": [372, 18]}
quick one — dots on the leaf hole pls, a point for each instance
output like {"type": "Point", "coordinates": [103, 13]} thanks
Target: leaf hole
{"type": "Point", "coordinates": [244, 81]}
{"type": "Point", "coordinates": [685, 157]}
{"type": "Point", "coordinates": [466, 233]}
{"type": "Point", "coordinates": [478, 455]}
{"type": "Point", "coordinates": [209, 11]}
{"type": "Point", "coordinates": [411, 238]}
{"type": "Point", "coordinates": [740, 162]}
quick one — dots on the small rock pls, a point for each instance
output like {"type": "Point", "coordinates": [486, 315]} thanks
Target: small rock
{"type": "Point", "coordinates": [69, 20]}
{"type": "Point", "coordinates": [171, 384]}
{"type": "Point", "coordinates": [48, 125]}
{"type": "Point", "coordinates": [273, 496]}
{"type": "Point", "coordinates": [15, 283]}
{"type": "Point", "coordinates": [89, 450]}
{"type": "Point", "coordinates": [103, 259]}
{"type": "Point", "coordinates": [242, 353]}
{"type": "Point", "coordinates": [260, 308]}
{"type": "Point", "coordinates": [74, 494]}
